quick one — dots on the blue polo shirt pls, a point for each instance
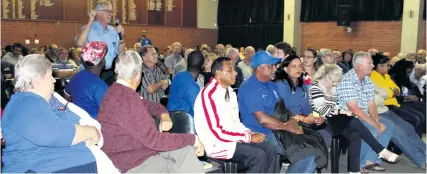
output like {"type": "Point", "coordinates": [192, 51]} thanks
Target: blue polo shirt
{"type": "Point", "coordinates": [183, 93]}
{"type": "Point", "coordinates": [87, 91]}
{"type": "Point", "coordinates": [146, 41]}
{"type": "Point", "coordinates": [109, 36]}
{"type": "Point", "coordinates": [254, 96]}
{"type": "Point", "coordinates": [297, 101]}
{"type": "Point", "coordinates": [38, 139]}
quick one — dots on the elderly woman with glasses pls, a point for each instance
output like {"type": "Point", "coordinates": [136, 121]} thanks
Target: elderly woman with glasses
{"type": "Point", "coordinates": [323, 99]}
{"type": "Point", "coordinates": [38, 139]}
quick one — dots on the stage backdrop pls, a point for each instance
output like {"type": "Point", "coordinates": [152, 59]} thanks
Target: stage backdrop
{"type": "Point", "coordinates": [59, 21]}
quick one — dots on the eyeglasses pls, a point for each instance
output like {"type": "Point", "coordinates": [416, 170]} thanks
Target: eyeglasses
{"type": "Point", "coordinates": [333, 82]}
{"type": "Point", "coordinates": [108, 11]}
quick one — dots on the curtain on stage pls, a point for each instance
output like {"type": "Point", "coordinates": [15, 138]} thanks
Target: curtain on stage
{"type": "Point", "coordinates": [250, 22]}
{"type": "Point", "coordinates": [362, 10]}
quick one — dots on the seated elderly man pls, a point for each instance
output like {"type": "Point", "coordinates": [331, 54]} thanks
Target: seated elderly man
{"type": "Point", "coordinates": [39, 140]}
{"type": "Point", "coordinates": [217, 123]}
{"type": "Point", "coordinates": [131, 138]}
{"type": "Point", "coordinates": [245, 65]}
{"type": "Point", "coordinates": [356, 94]}
{"type": "Point", "coordinates": [421, 53]}
{"type": "Point", "coordinates": [154, 83]}
{"type": "Point", "coordinates": [182, 64]}
{"type": "Point", "coordinates": [233, 54]}
{"type": "Point", "coordinates": [174, 58]}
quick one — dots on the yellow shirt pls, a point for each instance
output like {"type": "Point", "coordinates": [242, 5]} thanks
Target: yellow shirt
{"type": "Point", "coordinates": [386, 83]}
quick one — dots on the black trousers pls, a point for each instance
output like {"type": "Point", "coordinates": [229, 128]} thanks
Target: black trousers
{"type": "Point", "coordinates": [354, 132]}
{"type": "Point", "coordinates": [256, 158]}
{"type": "Point", "coordinates": [413, 113]}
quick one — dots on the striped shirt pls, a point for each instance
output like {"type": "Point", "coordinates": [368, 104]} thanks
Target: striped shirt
{"type": "Point", "coordinates": [151, 76]}
{"type": "Point", "coordinates": [321, 102]}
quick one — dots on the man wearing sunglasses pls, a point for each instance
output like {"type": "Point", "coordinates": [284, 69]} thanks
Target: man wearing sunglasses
{"type": "Point", "coordinates": [98, 29]}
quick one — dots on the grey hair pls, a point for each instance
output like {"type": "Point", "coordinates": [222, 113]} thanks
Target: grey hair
{"type": "Point", "coordinates": [410, 54]}
{"type": "Point", "coordinates": [231, 51]}
{"type": "Point", "coordinates": [324, 51]}
{"type": "Point", "coordinates": [128, 65]}
{"type": "Point", "coordinates": [29, 68]}
{"type": "Point", "coordinates": [100, 5]}
{"type": "Point", "coordinates": [359, 57]}
{"type": "Point", "coordinates": [249, 48]}
{"type": "Point", "coordinates": [270, 49]}
{"type": "Point", "coordinates": [327, 69]}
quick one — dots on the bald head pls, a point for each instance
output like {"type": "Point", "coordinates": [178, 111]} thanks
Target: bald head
{"type": "Point", "coordinates": [176, 48]}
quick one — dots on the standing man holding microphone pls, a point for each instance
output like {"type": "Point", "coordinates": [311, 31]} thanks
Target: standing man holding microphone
{"type": "Point", "coordinates": [98, 29]}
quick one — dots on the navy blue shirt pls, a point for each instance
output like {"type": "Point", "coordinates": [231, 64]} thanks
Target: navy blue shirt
{"type": "Point", "coordinates": [87, 91]}
{"type": "Point", "coordinates": [143, 42]}
{"type": "Point", "coordinates": [39, 138]}
{"type": "Point", "coordinates": [254, 96]}
{"type": "Point", "coordinates": [297, 101]}
{"type": "Point", "coordinates": [183, 93]}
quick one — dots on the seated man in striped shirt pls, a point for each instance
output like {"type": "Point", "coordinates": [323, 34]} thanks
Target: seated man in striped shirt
{"type": "Point", "coordinates": [154, 82]}
{"type": "Point", "coordinates": [216, 118]}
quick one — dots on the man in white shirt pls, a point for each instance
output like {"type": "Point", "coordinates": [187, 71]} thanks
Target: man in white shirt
{"type": "Point", "coordinates": [245, 65]}
{"type": "Point", "coordinates": [217, 123]}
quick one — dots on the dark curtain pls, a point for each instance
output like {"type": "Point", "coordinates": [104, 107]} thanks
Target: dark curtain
{"type": "Point", "coordinates": [424, 14]}
{"type": "Point", "coordinates": [250, 22]}
{"type": "Point", "coordinates": [362, 10]}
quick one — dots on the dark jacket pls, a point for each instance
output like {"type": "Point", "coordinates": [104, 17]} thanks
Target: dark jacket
{"type": "Point", "coordinates": [239, 77]}
{"type": "Point", "coordinates": [297, 147]}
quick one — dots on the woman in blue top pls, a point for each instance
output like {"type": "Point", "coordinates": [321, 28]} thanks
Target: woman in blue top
{"type": "Point", "coordinates": [295, 94]}
{"type": "Point", "coordinates": [37, 139]}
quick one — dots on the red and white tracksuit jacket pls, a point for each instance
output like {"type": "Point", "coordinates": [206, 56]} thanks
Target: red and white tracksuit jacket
{"type": "Point", "coordinates": [217, 121]}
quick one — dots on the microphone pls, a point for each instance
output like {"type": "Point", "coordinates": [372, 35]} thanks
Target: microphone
{"type": "Point", "coordinates": [117, 24]}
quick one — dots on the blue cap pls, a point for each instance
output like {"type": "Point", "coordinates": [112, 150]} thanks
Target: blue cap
{"type": "Point", "coordinates": [264, 57]}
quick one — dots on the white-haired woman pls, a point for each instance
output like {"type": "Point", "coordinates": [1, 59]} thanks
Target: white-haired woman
{"type": "Point", "coordinates": [323, 99]}
{"type": "Point", "coordinates": [39, 140]}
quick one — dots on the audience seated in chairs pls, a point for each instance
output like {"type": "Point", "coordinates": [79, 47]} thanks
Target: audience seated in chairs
{"type": "Point", "coordinates": [404, 135]}
{"type": "Point", "coordinates": [408, 105]}
{"type": "Point", "coordinates": [131, 138]}
{"type": "Point", "coordinates": [356, 94]}
{"type": "Point", "coordinates": [184, 89]}
{"type": "Point", "coordinates": [218, 125]}
{"type": "Point", "coordinates": [45, 137]}
{"type": "Point", "coordinates": [323, 99]}
{"type": "Point", "coordinates": [86, 88]}
{"type": "Point", "coordinates": [257, 97]}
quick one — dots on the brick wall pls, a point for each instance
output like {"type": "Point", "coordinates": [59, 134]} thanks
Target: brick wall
{"type": "Point", "coordinates": [63, 33]}
{"type": "Point", "coordinates": [384, 36]}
